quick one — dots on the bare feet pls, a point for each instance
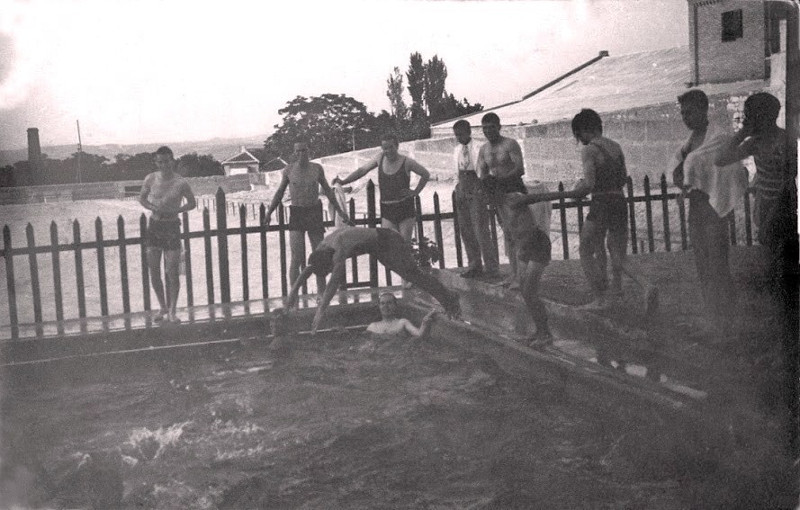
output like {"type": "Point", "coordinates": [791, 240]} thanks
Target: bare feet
{"type": "Point", "coordinates": [159, 316]}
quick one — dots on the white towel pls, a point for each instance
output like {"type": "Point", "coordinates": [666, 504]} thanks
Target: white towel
{"type": "Point", "coordinates": [342, 201]}
{"type": "Point", "coordinates": [725, 185]}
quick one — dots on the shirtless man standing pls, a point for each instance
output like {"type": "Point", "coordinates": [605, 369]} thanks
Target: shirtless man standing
{"type": "Point", "coordinates": [162, 193]}
{"type": "Point", "coordinates": [386, 245]}
{"type": "Point", "coordinates": [393, 325]}
{"type": "Point", "coordinates": [304, 180]}
{"type": "Point", "coordinates": [502, 158]}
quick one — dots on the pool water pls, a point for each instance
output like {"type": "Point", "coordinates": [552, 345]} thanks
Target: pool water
{"type": "Point", "coordinates": [341, 420]}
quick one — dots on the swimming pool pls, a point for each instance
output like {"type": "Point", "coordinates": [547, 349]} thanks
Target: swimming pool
{"type": "Point", "coordinates": [339, 420]}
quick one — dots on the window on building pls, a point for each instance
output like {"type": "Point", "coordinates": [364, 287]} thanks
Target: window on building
{"type": "Point", "coordinates": [732, 25]}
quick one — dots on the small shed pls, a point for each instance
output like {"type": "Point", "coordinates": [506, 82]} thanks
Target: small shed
{"type": "Point", "coordinates": [242, 163]}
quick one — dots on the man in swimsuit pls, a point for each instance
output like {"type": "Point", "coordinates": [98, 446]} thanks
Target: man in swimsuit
{"type": "Point", "coordinates": [162, 193]}
{"type": "Point", "coordinates": [394, 175]}
{"type": "Point", "coordinates": [533, 254]}
{"type": "Point", "coordinates": [304, 180]}
{"type": "Point", "coordinates": [604, 176]}
{"type": "Point", "coordinates": [501, 157]}
{"type": "Point", "coordinates": [393, 325]}
{"type": "Point", "coordinates": [386, 245]}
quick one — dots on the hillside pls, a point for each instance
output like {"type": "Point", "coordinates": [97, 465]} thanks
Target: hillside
{"type": "Point", "coordinates": [219, 148]}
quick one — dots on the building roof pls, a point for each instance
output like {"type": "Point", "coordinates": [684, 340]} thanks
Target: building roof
{"type": "Point", "coordinates": [609, 84]}
{"type": "Point", "coordinates": [244, 156]}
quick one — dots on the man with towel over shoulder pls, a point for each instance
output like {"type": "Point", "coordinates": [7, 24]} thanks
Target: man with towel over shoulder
{"type": "Point", "coordinates": [713, 191]}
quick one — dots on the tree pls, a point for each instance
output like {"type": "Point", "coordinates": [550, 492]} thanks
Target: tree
{"type": "Point", "coordinates": [416, 85]}
{"type": "Point", "coordinates": [453, 108]}
{"type": "Point", "coordinates": [327, 123]}
{"type": "Point", "coordinates": [200, 166]}
{"type": "Point", "coordinates": [395, 94]}
{"type": "Point", "coordinates": [435, 77]}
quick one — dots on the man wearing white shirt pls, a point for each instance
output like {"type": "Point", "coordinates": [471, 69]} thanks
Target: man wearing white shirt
{"type": "Point", "coordinates": [471, 207]}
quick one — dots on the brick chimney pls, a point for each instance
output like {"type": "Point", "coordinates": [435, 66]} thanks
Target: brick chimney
{"type": "Point", "coordinates": [34, 149]}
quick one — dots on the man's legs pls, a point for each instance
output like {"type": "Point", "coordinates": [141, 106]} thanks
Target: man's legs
{"type": "Point", "coordinates": [172, 259]}
{"type": "Point", "coordinates": [479, 215]}
{"type": "Point", "coordinates": [316, 237]}
{"type": "Point", "coordinates": [531, 276]}
{"type": "Point", "coordinates": [617, 248]}
{"type": "Point", "coordinates": [467, 222]}
{"type": "Point", "coordinates": [297, 247]}
{"type": "Point", "coordinates": [709, 235]}
{"type": "Point", "coordinates": [154, 266]}
{"type": "Point", "coordinates": [592, 237]}
{"type": "Point", "coordinates": [511, 248]}
{"type": "Point", "coordinates": [395, 254]}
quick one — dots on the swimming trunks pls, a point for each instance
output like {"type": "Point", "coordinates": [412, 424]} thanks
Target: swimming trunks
{"type": "Point", "coordinates": [609, 210]}
{"type": "Point", "coordinates": [393, 187]}
{"type": "Point", "coordinates": [164, 234]}
{"type": "Point", "coordinates": [306, 218]}
{"type": "Point", "coordinates": [535, 246]}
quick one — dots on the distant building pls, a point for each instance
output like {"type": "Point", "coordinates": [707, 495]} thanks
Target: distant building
{"type": "Point", "coordinates": [242, 163]}
{"type": "Point", "coordinates": [274, 165]}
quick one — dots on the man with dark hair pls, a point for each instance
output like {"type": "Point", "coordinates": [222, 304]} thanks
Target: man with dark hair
{"type": "Point", "coordinates": [776, 192]}
{"type": "Point", "coordinates": [386, 245]}
{"type": "Point", "coordinates": [304, 180]}
{"type": "Point", "coordinates": [394, 177]}
{"type": "Point", "coordinates": [162, 193]}
{"type": "Point", "coordinates": [391, 324]}
{"type": "Point", "coordinates": [712, 192]}
{"type": "Point", "coordinates": [471, 206]}
{"type": "Point", "coordinates": [501, 157]}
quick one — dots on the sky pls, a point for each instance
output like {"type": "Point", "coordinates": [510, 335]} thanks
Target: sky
{"type": "Point", "coordinates": [148, 71]}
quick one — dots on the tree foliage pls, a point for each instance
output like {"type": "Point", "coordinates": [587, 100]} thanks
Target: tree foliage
{"type": "Point", "coordinates": [416, 85]}
{"type": "Point", "coordinates": [327, 123]}
{"type": "Point", "coordinates": [435, 78]}
{"type": "Point", "coordinates": [395, 94]}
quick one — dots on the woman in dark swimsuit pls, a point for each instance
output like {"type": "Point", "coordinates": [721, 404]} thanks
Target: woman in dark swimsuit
{"type": "Point", "coordinates": [394, 176]}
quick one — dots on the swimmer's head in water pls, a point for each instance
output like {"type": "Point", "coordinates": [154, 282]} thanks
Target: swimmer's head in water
{"type": "Point", "coordinates": [321, 261]}
{"type": "Point", "coordinates": [387, 302]}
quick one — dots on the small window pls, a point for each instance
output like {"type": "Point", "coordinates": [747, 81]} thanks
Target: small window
{"type": "Point", "coordinates": [732, 25]}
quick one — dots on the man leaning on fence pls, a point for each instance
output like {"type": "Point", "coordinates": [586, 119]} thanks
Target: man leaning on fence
{"type": "Point", "coordinates": [162, 193]}
{"type": "Point", "coordinates": [713, 192]}
{"type": "Point", "coordinates": [471, 207]}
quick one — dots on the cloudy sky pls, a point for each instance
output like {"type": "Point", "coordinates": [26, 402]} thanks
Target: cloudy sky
{"type": "Point", "coordinates": [145, 71]}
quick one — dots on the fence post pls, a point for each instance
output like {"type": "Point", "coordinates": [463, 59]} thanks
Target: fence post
{"type": "Point", "coordinates": [55, 255]}
{"type": "Point", "coordinates": [76, 234]}
{"type": "Point", "coordinates": [123, 270]}
{"type": "Point", "coordinates": [187, 260]}
{"type": "Point", "coordinates": [372, 221]}
{"type": "Point", "coordinates": [243, 243]}
{"type": "Point", "coordinates": [665, 213]}
{"type": "Point", "coordinates": [562, 207]}
{"type": "Point", "coordinates": [353, 262]}
{"type": "Point", "coordinates": [101, 266]}
{"type": "Point", "coordinates": [732, 227]}
{"type": "Point", "coordinates": [10, 284]}
{"type": "Point", "coordinates": [145, 267]}
{"type": "Point", "coordinates": [437, 229]}
{"type": "Point", "coordinates": [282, 245]}
{"type": "Point", "coordinates": [222, 247]}
{"type": "Point", "coordinates": [457, 232]}
{"type": "Point", "coordinates": [262, 233]}
{"type": "Point", "coordinates": [34, 266]}
{"type": "Point", "coordinates": [648, 211]}
{"type": "Point", "coordinates": [632, 215]}
{"type": "Point", "coordinates": [209, 262]}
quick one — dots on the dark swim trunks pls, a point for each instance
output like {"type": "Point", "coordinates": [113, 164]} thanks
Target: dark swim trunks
{"type": "Point", "coordinates": [164, 234]}
{"type": "Point", "coordinates": [398, 211]}
{"type": "Point", "coordinates": [536, 247]}
{"type": "Point", "coordinates": [306, 218]}
{"type": "Point", "coordinates": [609, 211]}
